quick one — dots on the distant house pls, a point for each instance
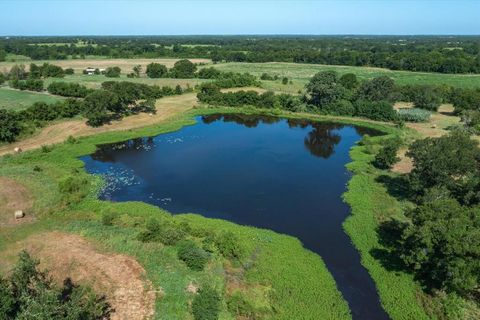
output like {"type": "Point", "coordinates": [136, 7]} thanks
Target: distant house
{"type": "Point", "coordinates": [91, 70]}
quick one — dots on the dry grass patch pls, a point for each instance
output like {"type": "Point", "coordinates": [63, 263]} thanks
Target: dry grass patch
{"type": "Point", "coordinates": [14, 196]}
{"type": "Point", "coordinates": [80, 64]}
{"type": "Point", "coordinates": [119, 277]}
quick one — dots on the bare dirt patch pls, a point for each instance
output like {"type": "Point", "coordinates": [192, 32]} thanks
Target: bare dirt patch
{"type": "Point", "coordinates": [120, 278]}
{"type": "Point", "coordinates": [14, 196]}
{"type": "Point", "coordinates": [59, 132]}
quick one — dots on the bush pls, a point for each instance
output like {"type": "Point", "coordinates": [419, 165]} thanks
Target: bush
{"type": "Point", "coordinates": [339, 108]}
{"type": "Point", "coordinates": [67, 89]}
{"type": "Point", "coordinates": [229, 245]}
{"type": "Point", "coordinates": [168, 234]}
{"type": "Point", "coordinates": [387, 156]}
{"type": "Point", "coordinates": [285, 80]}
{"type": "Point", "coordinates": [29, 84]}
{"type": "Point", "coordinates": [69, 71]}
{"type": "Point", "coordinates": [349, 81]}
{"type": "Point", "coordinates": [266, 76]}
{"type": "Point", "coordinates": [194, 257]}
{"type": "Point", "coordinates": [206, 304]}
{"type": "Point", "coordinates": [183, 69]}
{"type": "Point", "coordinates": [73, 188]}
{"type": "Point", "coordinates": [375, 110]}
{"type": "Point", "coordinates": [9, 126]}
{"type": "Point", "coordinates": [156, 70]}
{"type": "Point", "coordinates": [113, 72]}
{"type": "Point", "coordinates": [377, 89]}
{"type": "Point", "coordinates": [413, 115]}
{"type": "Point", "coordinates": [108, 218]}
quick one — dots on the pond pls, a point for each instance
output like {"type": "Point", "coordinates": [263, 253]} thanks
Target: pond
{"type": "Point", "coordinates": [283, 175]}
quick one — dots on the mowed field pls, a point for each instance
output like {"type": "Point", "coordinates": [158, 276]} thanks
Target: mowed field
{"type": "Point", "coordinates": [18, 100]}
{"type": "Point", "coordinates": [79, 64]}
{"type": "Point", "coordinates": [301, 73]}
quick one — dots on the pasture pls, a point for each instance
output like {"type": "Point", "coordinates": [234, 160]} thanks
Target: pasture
{"type": "Point", "coordinates": [301, 73]}
{"type": "Point", "coordinates": [18, 100]}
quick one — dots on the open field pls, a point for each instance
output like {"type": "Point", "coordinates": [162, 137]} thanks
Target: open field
{"type": "Point", "coordinates": [17, 100]}
{"type": "Point", "coordinates": [95, 81]}
{"type": "Point", "coordinates": [301, 73]}
{"type": "Point", "coordinates": [80, 64]}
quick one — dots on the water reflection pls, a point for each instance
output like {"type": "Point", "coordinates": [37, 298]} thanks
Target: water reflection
{"type": "Point", "coordinates": [284, 175]}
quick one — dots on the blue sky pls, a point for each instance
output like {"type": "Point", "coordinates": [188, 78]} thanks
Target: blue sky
{"type": "Point", "coordinates": [69, 17]}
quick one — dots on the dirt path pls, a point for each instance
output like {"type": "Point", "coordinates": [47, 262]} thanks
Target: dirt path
{"type": "Point", "coordinates": [13, 196]}
{"type": "Point", "coordinates": [59, 132]}
{"type": "Point", "coordinates": [119, 277]}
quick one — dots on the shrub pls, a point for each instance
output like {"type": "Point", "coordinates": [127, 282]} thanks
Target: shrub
{"type": "Point", "coordinates": [387, 156]}
{"type": "Point", "coordinates": [194, 257]}
{"type": "Point", "coordinates": [426, 97]}
{"type": "Point", "coordinates": [266, 76]}
{"type": "Point", "coordinates": [375, 110]}
{"type": "Point", "coordinates": [113, 72]}
{"type": "Point", "coordinates": [349, 81]}
{"type": "Point", "coordinates": [29, 84]}
{"type": "Point", "coordinates": [67, 89]}
{"type": "Point", "coordinates": [183, 69]}
{"type": "Point", "coordinates": [340, 108]}
{"type": "Point", "coordinates": [413, 115]}
{"type": "Point", "coordinates": [9, 126]}
{"type": "Point", "coordinates": [69, 71]}
{"type": "Point", "coordinates": [285, 80]}
{"type": "Point", "coordinates": [156, 70]}
{"type": "Point", "coordinates": [377, 89]}
{"type": "Point", "coordinates": [73, 188]}
{"type": "Point", "coordinates": [168, 234]}
{"type": "Point", "coordinates": [206, 304]}
{"type": "Point", "coordinates": [108, 218]}
{"type": "Point", "coordinates": [229, 245]}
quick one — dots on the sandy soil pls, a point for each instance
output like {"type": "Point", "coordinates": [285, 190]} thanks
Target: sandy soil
{"type": "Point", "coordinates": [59, 132]}
{"type": "Point", "coordinates": [120, 278]}
{"type": "Point", "coordinates": [13, 196]}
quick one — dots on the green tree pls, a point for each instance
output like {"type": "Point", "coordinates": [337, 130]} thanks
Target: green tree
{"type": "Point", "coordinates": [324, 89]}
{"type": "Point", "coordinates": [285, 80]}
{"type": "Point", "coordinates": [137, 70]}
{"type": "Point", "coordinates": [451, 161]}
{"type": "Point", "coordinates": [379, 88]}
{"type": "Point", "coordinates": [9, 126]}
{"type": "Point", "coordinates": [156, 70]}
{"type": "Point", "coordinates": [184, 69]}
{"type": "Point", "coordinates": [387, 156]}
{"type": "Point", "coordinates": [442, 245]}
{"type": "Point", "coordinates": [349, 81]}
{"type": "Point", "coordinates": [426, 97]}
{"type": "Point", "coordinates": [113, 72]}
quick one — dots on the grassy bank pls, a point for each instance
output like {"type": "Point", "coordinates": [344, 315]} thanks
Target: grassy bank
{"type": "Point", "coordinates": [278, 278]}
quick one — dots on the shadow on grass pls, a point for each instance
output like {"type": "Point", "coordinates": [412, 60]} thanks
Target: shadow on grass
{"type": "Point", "coordinates": [397, 187]}
{"type": "Point", "coordinates": [389, 233]}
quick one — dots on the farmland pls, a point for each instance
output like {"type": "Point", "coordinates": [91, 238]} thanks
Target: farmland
{"type": "Point", "coordinates": [258, 273]}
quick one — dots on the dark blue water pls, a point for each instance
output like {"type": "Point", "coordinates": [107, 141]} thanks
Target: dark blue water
{"type": "Point", "coordinates": [284, 175]}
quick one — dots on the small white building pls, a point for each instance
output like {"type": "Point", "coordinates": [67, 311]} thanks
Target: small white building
{"type": "Point", "coordinates": [91, 70]}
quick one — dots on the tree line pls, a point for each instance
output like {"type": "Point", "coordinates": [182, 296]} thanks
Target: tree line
{"type": "Point", "coordinates": [113, 101]}
{"type": "Point", "coordinates": [452, 54]}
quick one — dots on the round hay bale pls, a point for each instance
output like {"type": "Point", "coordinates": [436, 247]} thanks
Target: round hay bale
{"type": "Point", "coordinates": [17, 150]}
{"type": "Point", "coordinates": [19, 214]}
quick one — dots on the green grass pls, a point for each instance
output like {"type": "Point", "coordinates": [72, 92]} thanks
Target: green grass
{"type": "Point", "coordinates": [289, 279]}
{"type": "Point", "coordinates": [18, 100]}
{"type": "Point", "coordinates": [371, 203]}
{"type": "Point", "coordinates": [301, 73]}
